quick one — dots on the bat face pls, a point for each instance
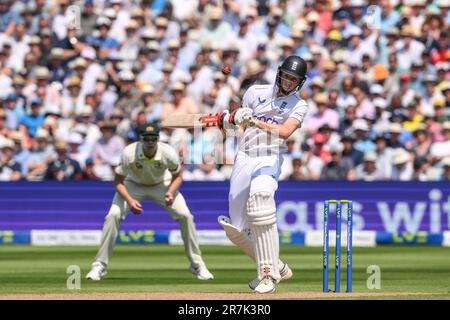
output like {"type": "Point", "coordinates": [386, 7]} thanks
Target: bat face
{"type": "Point", "coordinates": [190, 121]}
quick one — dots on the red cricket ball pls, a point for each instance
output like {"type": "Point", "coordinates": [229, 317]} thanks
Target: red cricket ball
{"type": "Point", "coordinates": [226, 70]}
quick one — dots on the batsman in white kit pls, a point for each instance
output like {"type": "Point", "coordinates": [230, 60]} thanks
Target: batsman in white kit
{"type": "Point", "coordinates": [140, 176]}
{"type": "Point", "coordinates": [269, 115]}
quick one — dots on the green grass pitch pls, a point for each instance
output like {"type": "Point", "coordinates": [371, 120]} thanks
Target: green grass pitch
{"type": "Point", "coordinates": [162, 268]}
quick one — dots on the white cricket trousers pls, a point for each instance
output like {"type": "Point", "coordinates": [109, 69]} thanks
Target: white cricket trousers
{"type": "Point", "coordinates": [178, 210]}
{"type": "Point", "coordinates": [244, 182]}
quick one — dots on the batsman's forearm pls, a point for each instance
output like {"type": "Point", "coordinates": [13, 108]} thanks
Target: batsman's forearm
{"type": "Point", "coordinates": [283, 132]}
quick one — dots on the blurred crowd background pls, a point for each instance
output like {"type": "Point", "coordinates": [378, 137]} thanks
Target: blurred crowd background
{"type": "Point", "coordinates": [78, 77]}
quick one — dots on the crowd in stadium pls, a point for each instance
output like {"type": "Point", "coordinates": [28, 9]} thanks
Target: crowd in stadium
{"type": "Point", "coordinates": [78, 77]}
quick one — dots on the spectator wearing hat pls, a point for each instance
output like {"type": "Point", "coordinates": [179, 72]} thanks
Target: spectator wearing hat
{"type": "Point", "coordinates": [384, 156]}
{"type": "Point", "coordinates": [349, 151]}
{"type": "Point", "coordinates": [369, 170]}
{"type": "Point", "coordinates": [402, 169]}
{"type": "Point", "coordinates": [71, 99]}
{"type": "Point", "coordinates": [76, 150]}
{"type": "Point", "coordinates": [41, 155]}
{"type": "Point", "coordinates": [313, 31]}
{"type": "Point", "coordinates": [356, 48]}
{"type": "Point", "coordinates": [10, 169]}
{"type": "Point", "coordinates": [439, 110]}
{"type": "Point", "coordinates": [422, 141]}
{"type": "Point", "coordinates": [316, 86]}
{"type": "Point", "coordinates": [409, 50]}
{"type": "Point", "coordinates": [119, 15]}
{"type": "Point", "coordinates": [389, 16]}
{"type": "Point", "coordinates": [416, 77]}
{"type": "Point", "coordinates": [246, 41]}
{"type": "Point", "coordinates": [395, 132]}
{"type": "Point", "coordinates": [216, 30]}
{"type": "Point", "coordinates": [63, 167]}
{"type": "Point", "coordinates": [361, 131]}
{"type": "Point", "coordinates": [84, 117]}
{"type": "Point", "coordinates": [129, 48]}
{"type": "Point", "coordinates": [88, 18]}
{"type": "Point", "coordinates": [180, 103]}
{"type": "Point", "coordinates": [30, 21]}
{"type": "Point", "coordinates": [104, 41]}
{"type": "Point", "coordinates": [445, 90]}
{"type": "Point", "coordinates": [154, 63]}
{"type": "Point", "coordinates": [128, 94]}
{"type": "Point", "coordinates": [18, 83]}
{"type": "Point", "coordinates": [58, 70]}
{"type": "Point", "coordinates": [382, 117]}
{"type": "Point", "coordinates": [42, 88]}
{"type": "Point", "coordinates": [33, 120]}
{"type": "Point", "coordinates": [21, 153]}
{"type": "Point", "coordinates": [106, 150]}
{"type": "Point", "coordinates": [13, 111]}
{"type": "Point", "coordinates": [413, 118]}
{"type": "Point", "coordinates": [441, 149]}
{"type": "Point", "coordinates": [92, 71]}
{"type": "Point", "coordinates": [331, 79]}
{"type": "Point", "coordinates": [445, 171]}
{"type": "Point", "coordinates": [152, 107]}
{"type": "Point", "coordinates": [252, 75]}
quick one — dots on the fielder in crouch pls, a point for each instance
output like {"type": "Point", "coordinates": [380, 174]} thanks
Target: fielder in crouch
{"type": "Point", "coordinates": [140, 176]}
{"type": "Point", "coordinates": [269, 114]}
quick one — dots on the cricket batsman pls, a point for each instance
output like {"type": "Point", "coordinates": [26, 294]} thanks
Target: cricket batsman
{"type": "Point", "coordinates": [140, 176]}
{"type": "Point", "coordinates": [269, 115]}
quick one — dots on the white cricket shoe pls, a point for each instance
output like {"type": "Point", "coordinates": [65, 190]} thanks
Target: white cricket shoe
{"type": "Point", "coordinates": [202, 273]}
{"type": "Point", "coordinates": [97, 272]}
{"type": "Point", "coordinates": [267, 285]}
{"type": "Point", "coordinates": [285, 273]}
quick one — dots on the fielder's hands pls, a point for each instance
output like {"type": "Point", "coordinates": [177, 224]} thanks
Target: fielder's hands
{"type": "Point", "coordinates": [136, 207]}
{"type": "Point", "coordinates": [168, 198]}
{"type": "Point", "coordinates": [242, 116]}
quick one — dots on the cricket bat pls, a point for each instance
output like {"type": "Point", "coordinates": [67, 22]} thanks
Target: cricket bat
{"type": "Point", "coordinates": [191, 121]}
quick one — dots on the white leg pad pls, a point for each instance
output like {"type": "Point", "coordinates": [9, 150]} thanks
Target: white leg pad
{"type": "Point", "coordinates": [242, 239]}
{"type": "Point", "coordinates": [261, 208]}
{"type": "Point", "coordinates": [267, 251]}
{"type": "Point", "coordinates": [261, 211]}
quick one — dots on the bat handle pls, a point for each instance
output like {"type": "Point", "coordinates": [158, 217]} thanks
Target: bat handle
{"type": "Point", "coordinates": [210, 120]}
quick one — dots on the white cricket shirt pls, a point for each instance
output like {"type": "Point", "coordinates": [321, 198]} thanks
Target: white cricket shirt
{"type": "Point", "coordinates": [271, 109]}
{"type": "Point", "coordinates": [142, 170]}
